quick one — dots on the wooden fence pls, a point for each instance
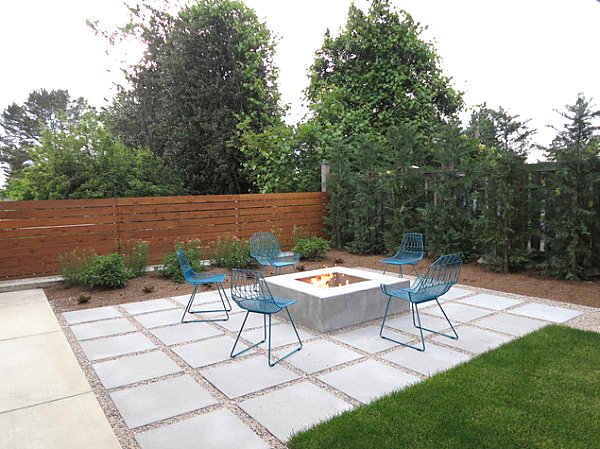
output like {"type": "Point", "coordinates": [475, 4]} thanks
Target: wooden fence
{"type": "Point", "coordinates": [34, 233]}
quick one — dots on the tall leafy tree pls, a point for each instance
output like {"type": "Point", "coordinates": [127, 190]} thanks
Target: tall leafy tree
{"type": "Point", "coordinates": [378, 73]}
{"type": "Point", "coordinates": [205, 71]}
{"type": "Point", "coordinates": [501, 230]}
{"type": "Point", "coordinates": [573, 203]}
{"type": "Point", "coordinates": [86, 161]}
{"type": "Point", "coordinates": [23, 124]}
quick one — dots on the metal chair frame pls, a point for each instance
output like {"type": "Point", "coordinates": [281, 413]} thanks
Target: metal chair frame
{"type": "Point", "coordinates": [250, 291]}
{"type": "Point", "coordinates": [440, 277]}
{"type": "Point", "coordinates": [410, 252]}
{"type": "Point", "coordinates": [196, 279]}
{"type": "Point", "coordinates": [265, 249]}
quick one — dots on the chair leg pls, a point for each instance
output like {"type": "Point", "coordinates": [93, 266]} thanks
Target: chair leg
{"type": "Point", "coordinates": [292, 351]}
{"type": "Point", "coordinates": [415, 270]}
{"type": "Point", "coordinates": [400, 275]}
{"type": "Point", "coordinates": [453, 337]}
{"type": "Point", "coordinates": [387, 307]}
{"type": "Point", "coordinates": [232, 355]}
{"type": "Point", "coordinates": [225, 309]}
{"type": "Point", "coordinates": [385, 269]}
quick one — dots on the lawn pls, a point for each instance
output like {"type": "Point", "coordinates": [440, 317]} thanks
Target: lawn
{"type": "Point", "coordinates": [540, 391]}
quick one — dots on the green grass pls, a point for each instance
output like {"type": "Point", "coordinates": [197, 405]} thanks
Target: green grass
{"type": "Point", "coordinates": [540, 391]}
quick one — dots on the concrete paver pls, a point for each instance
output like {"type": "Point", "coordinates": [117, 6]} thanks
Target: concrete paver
{"type": "Point", "coordinates": [511, 324]}
{"type": "Point", "coordinates": [457, 312]}
{"type": "Point", "coordinates": [103, 348]}
{"type": "Point", "coordinates": [456, 292]}
{"type": "Point", "coordinates": [160, 400]}
{"type": "Point", "coordinates": [434, 359]}
{"type": "Point", "coordinates": [184, 332]}
{"type": "Point", "coordinates": [545, 312]}
{"type": "Point", "coordinates": [405, 324]}
{"type": "Point", "coordinates": [98, 313]}
{"type": "Point", "coordinates": [153, 305]}
{"type": "Point", "coordinates": [474, 340]}
{"type": "Point", "coordinates": [281, 334]}
{"type": "Point", "coordinates": [103, 328]}
{"type": "Point", "coordinates": [206, 352]}
{"type": "Point", "coordinates": [157, 319]}
{"type": "Point", "coordinates": [367, 339]}
{"type": "Point", "coordinates": [319, 355]}
{"type": "Point", "coordinates": [491, 301]}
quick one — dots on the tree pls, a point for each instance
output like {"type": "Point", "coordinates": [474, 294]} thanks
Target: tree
{"type": "Point", "coordinates": [23, 125]}
{"type": "Point", "coordinates": [501, 229]}
{"type": "Point", "coordinates": [86, 161]}
{"type": "Point", "coordinates": [205, 71]}
{"type": "Point", "coordinates": [378, 73]}
{"type": "Point", "coordinates": [573, 202]}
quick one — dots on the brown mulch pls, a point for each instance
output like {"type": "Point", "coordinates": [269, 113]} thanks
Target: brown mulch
{"type": "Point", "coordinates": [154, 286]}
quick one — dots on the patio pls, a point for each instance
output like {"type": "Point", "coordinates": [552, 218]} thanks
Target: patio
{"type": "Point", "coordinates": [163, 384]}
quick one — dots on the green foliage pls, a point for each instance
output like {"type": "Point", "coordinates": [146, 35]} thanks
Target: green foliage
{"type": "Point", "coordinates": [105, 272]}
{"type": "Point", "coordinates": [136, 258]}
{"type": "Point", "coordinates": [313, 248]}
{"type": "Point", "coordinates": [232, 253]}
{"type": "Point", "coordinates": [73, 265]}
{"type": "Point", "coordinates": [170, 265]}
{"type": "Point", "coordinates": [205, 70]}
{"type": "Point", "coordinates": [23, 125]}
{"type": "Point", "coordinates": [85, 161]}
{"type": "Point", "coordinates": [573, 203]}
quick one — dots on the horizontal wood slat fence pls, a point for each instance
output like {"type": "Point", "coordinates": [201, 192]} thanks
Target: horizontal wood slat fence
{"type": "Point", "coordinates": [34, 233]}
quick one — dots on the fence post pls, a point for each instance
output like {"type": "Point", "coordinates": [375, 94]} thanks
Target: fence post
{"type": "Point", "coordinates": [324, 175]}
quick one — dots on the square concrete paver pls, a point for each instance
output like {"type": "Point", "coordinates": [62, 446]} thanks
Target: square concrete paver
{"type": "Point", "coordinates": [184, 332]}
{"type": "Point", "coordinates": [215, 430]}
{"type": "Point", "coordinates": [281, 334]}
{"type": "Point", "coordinates": [474, 340]}
{"type": "Point", "coordinates": [236, 319]}
{"type": "Point", "coordinates": [457, 312]}
{"type": "Point", "coordinates": [429, 362]}
{"type": "Point", "coordinates": [319, 355]}
{"type": "Point", "coordinates": [511, 324]}
{"type": "Point", "coordinates": [367, 339]}
{"type": "Point", "coordinates": [103, 328]}
{"type": "Point", "coordinates": [491, 301]}
{"type": "Point", "coordinates": [153, 305]}
{"type": "Point", "coordinates": [98, 313]}
{"type": "Point", "coordinates": [294, 408]}
{"type": "Point", "coordinates": [456, 292]}
{"type": "Point", "coordinates": [160, 400]}
{"type": "Point", "coordinates": [405, 324]}
{"type": "Point", "coordinates": [368, 380]}
{"type": "Point", "coordinates": [548, 313]}
{"type": "Point", "coordinates": [200, 298]}
{"type": "Point", "coordinates": [103, 348]}
{"type": "Point", "coordinates": [157, 319]}
{"type": "Point", "coordinates": [128, 370]}
{"type": "Point", "coordinates": [207, 352]}
{"type": "Point", "coordinates": [244, 376]}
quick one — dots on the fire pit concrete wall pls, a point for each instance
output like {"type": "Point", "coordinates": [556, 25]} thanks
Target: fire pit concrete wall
{"type": "Point", "coordinates": [328, 309]}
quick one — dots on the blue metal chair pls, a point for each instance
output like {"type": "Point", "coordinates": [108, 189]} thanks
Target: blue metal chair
{"type": "Point", "coordinates": [265, 249]}
{"type": "Point", "coordinates": [197, 279]}
{"type": "Point", "coordinates": [409, 252]}
{"type": "Point", "coordinates": [440, 276]}
{"type": "Point", "coordinates": [251, 293]}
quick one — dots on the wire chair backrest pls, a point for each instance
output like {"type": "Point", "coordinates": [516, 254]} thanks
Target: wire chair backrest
{"type": "Point", "coordinates": [184, 262]}
{"type": "Point", "coordinates": [440, 276]}
{"type": "Point", "coordinates": [249, 290]}
{"type": "Point", "coordinates": [264, 244]}
{"type": "Point", "coordinates": [411, 245]}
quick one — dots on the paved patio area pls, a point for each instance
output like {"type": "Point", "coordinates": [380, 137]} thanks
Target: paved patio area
{"type": "Point", "coordinates": [163, 384]}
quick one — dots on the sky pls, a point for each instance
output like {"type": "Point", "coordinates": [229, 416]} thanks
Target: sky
{"type": "Point", "coordinates": [530, 57]}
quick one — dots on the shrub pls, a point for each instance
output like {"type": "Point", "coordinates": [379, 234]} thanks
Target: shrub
{"type": "Point", "coordinates": [105, 271]}
{"type": "Point", "coordinates": [73, 265]}
{"type": "Point", "coordinates": [232, 253]}
{"type": "Point", "coordinates": [313, 248]}
{"type": "Point", "coordinates": [171, 267]}
{"type": "Point", "coordinates": [136, 258]}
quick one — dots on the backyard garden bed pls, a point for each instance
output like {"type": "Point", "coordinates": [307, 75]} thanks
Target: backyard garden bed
{"type": "Point", "coordinates": [153, 285]}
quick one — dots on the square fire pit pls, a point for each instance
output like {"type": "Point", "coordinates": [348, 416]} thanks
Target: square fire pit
{"type": "Point", "coordinates": [332, 298]}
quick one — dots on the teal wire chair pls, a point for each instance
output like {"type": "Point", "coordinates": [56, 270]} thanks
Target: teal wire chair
{"type": "Point", "coordinates": [409, 252]}
{"type": "Point", "coordinates": [266, 251]}
{"type": "Point", "coordinates": [251, 293]}
{"type": "Point", "coordinates": [440, 276]}
{"type": "Point", "coordinates": [197, 279]}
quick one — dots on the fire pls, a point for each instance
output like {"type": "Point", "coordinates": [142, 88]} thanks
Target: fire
{"type": "Point", "coordinates": [321, 281]}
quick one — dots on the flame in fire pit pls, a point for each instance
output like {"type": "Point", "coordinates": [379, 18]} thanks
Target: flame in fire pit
{"type": "Point", "coordinates": [321, 281]}
{"type": "Point", "coordinates": [331, 280]}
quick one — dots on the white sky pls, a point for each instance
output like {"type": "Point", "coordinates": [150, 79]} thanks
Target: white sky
{"type": "Point", "coordinates": [528, 56]}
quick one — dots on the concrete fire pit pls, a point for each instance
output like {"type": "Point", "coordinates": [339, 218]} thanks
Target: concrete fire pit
{"type": "Point", "coordinates": [351, 297]}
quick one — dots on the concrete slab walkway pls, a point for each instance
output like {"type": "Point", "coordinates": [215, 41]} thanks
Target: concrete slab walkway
{"type": "Point", "coordinates": [45, 399]}
{"type": "Point", "coordinates": [163, 384]}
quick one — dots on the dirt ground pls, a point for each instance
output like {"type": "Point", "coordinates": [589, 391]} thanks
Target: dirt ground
{"type": "Point", "coordinates": [154, 286]}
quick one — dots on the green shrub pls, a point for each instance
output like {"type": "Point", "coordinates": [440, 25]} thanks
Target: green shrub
{"type": "Point", "coordinates": [171, 267]}
{"type": "Point", "coordinates": [136, 258]}
{"type": "Point", "coordinates": [313, 248]}
{"type": "Point", "coordinates": [74, 264]}
{"type": "Point", "coordinates": [232, 253]}
{"type": "Point", "coordinates": [106, 272]}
